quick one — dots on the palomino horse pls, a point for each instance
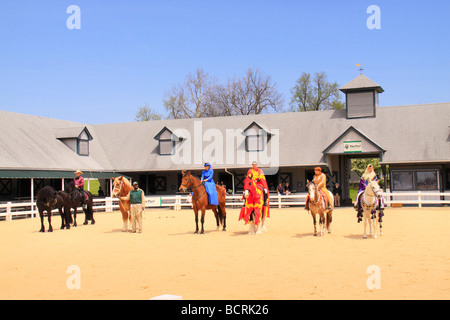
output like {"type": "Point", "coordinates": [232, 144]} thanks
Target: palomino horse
{"type": "Point", "coordinates": [254, 210]}
{"type": "Point", "coordinates": [200, 200]}
{"type": "Point", "coordinates": [369, 203]}
{"type": "Point", "coordinates": [122, 187]}
{"type": "Point", "coordinates": [317, 207]}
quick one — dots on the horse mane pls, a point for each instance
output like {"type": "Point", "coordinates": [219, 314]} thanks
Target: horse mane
{"type": "Point", "coordinates": [46, 193]}
{"type": "Point", "coordinates": [70, 186]}
{"type": "Point", "coordinates": [125, 180]}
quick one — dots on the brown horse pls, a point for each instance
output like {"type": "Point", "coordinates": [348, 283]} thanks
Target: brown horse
{"type": "Point", "coordinates": [200, 200]}
{"type": "Point", "coordinates": [122, 187]}
{"type": "Point", "coordinates": [317, 207]}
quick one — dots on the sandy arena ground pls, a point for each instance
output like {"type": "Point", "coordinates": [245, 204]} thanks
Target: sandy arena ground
{"type": "Point", "coordinates": [286, 263]}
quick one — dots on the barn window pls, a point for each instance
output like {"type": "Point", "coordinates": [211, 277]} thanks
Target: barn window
{"type": "Point", "coordinates": [415, 180]}
{"type": "Point", "coordinates": [166, 142]}
{"type": "Point", "coordinates": [256, 137]}
{"type": "Point", "coordinates": [76, 139]}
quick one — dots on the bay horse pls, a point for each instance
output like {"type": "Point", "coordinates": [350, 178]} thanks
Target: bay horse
{"type": "Point", "coordinates": [74, 198]}
{"type": "Point", "coordinates": [122, 187]}
{"type": "Point", "coordinates": [369, 203]}
{"type": "Point", "coordinates": [200, 200]}
{"type": "Point", "coordinates": [317, 207]}
{"type": "Point", "coordinates": [48, 199]}
{"type": "Point", "coordinates": [255, 209]}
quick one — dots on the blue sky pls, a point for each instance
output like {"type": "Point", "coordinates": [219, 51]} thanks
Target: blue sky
{"type": "Point", "coordinates": [130, 53]}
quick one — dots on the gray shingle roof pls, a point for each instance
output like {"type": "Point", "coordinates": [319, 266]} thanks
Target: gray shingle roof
{"type": "Point", "coordinates": [361, 82]}
{"type": "Point", "coordinates": [415, 133]}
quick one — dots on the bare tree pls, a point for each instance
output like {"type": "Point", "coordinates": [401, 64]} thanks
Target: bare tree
{"type": "Point", "coordinates": [254, 93]}
{"type": "Point", "coordinates": [318, 94]}
{"type": "Point", "coordinates": [193, 99]}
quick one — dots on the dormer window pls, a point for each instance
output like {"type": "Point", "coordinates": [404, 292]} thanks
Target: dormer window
{"type": "Point", "coordinates": [77, 139]}
{"type": "Point", "coordinates": [167, 139]}
{"type": "Point", "coordinates": [83, 143]}
{"type": "Point", "coordinates": [256, 137]}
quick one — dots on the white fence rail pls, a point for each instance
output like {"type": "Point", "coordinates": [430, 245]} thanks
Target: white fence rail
{"type": "Point", "coordinates": [28, 209]}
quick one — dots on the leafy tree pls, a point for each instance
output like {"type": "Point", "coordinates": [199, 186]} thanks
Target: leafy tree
{"type": "Point", "coordinates": [315, 93]}
{"type": "Point", "coordinates": [146, 113]}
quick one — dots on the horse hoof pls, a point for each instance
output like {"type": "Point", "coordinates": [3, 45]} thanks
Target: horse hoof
{"type": "Point", "coordinates": [42, 230]}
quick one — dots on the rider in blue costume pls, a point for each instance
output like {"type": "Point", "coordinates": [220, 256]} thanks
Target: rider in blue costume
{"type": "Point", "coordinates": [210, 186]}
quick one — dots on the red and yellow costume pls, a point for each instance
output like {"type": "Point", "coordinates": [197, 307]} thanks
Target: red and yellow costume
{"type": "Point", "coordinates": [257, 175]}
{"type": "Point", "coordinates": [255, 182]}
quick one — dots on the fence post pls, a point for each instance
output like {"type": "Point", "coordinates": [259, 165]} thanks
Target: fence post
{"type": "Point", "coordinates": [108, 204]}
{"type": "Point", "coordinates": [8, 211]}
{"type": "Point", "coordinates": [420, 199]}
{"type": "Point", "coordinates": [279, 201]}
{"type": "Point", "coordinates": [177, 202]}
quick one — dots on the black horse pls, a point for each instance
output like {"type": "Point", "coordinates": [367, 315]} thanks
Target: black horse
{"type": "Point", "coordinates": [75, 199]}
{"type": "Point", "coordinates": [48, 199]}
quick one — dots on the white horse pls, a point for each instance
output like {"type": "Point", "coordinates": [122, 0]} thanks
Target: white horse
{"type": "Point", "coordinates": [369, 203]}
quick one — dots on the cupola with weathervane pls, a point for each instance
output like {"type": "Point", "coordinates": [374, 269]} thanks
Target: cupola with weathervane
{"type": "Point", "coordinates": [361, 97]}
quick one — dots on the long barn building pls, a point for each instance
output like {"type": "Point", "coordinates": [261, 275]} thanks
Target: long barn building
{"type": "Point", "coordinates": [412, 143]}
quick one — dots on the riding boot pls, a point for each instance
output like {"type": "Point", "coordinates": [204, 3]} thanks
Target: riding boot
{"type": "Point", "coordinates": [307, 205]}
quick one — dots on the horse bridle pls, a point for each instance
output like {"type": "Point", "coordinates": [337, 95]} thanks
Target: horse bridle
{"type": "Point", "coordinates": [120, 189]}
{"type": "Point", "coordinates": [193, 188]}
{"type": "Point", "coordinates": [317, 192]}
{"type": "Point", "coordinates": [371, 206]}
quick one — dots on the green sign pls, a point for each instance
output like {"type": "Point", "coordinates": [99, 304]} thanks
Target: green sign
{"type": "Point", "coordinates": [352, 146]}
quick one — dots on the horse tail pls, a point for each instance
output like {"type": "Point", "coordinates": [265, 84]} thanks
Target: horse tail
{"type": "Point", "coordinates": [220, 214]}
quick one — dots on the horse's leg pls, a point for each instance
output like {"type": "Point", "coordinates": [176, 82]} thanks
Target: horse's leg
{"type": "Point", "coordinates": [196, 219]}
{"type": "Point", "coordinates": [263, 220]}
{"type": "Point", "coordinates": [365, 224]}
{"type": "Point", "coordinates": [203, 220]}
{"type": "Point", "coordinates": [224, 217]}
{"type": "Point", "coordinates": [63, 224]}
{"type": "Point", "coordinates": [91, 212]}
{"type": "Point", "coordinates": [216, 214]}
{"type": "Point", "coordinates": [251, 230]}
{"type": "Point", "coordinates": [50, 228]}
{"type": "Point", "coordinates": [329, 219]}
{"type": "Point", "coordinates": [322, 223]}
{"type": "Point", "coordinates": [75, 216]}
{"type": "Point", "coordinates": [314, 223]}
{"type": "Point", "coordinates": [124, 219]}
{"type": "Point", "coordinates": [67, 217]}
{"type": "Point", "coordinates": [375, 225]}
{"type": "Point", "coordinates": [41, 215]}
{"type": "Point", "coordinates": [86, 215]}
